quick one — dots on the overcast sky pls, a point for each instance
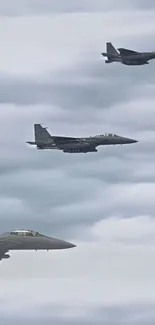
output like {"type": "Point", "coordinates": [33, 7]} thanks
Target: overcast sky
{"type": "Point", "coordinates": [52, 72]}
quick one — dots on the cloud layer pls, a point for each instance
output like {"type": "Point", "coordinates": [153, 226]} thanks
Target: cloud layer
{"type": "Point", "coordinates": [52, 72]}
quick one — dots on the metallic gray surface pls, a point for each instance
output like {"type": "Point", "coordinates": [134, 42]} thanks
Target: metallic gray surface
{"type": "Point", "coordinates": [9, 241]}
{"type": "Point", "coordinates": [43, 140]}
{"type": "Point", "coordinates": [126, 56]}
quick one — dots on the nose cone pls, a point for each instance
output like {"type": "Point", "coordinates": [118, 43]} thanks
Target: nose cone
{"type": "Point", "coordinates": [59, 244]}
{"type": "Point", "coordinates": [128, 140]}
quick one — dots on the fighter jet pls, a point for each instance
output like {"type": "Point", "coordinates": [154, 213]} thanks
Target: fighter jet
{"type": "Point", "coordinates": [127, 57]}
{"type": "Point", "coordinates": [29, 240]}
{"type": "Point", "coordinates": [43, 140]}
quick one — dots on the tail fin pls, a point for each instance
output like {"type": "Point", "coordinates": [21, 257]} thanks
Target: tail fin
{"type": "Point", "coordinates": [111, 49]}
{"type": "Point", "coordinates": [111, 54]}
{"type": "Point", "coordinates": [41, 134]}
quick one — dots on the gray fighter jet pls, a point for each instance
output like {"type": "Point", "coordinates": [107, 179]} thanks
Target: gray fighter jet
{"type": "Point", "coordinates": [43, 140]}
{"type": "Point", "coordinates": [29, 240]}
{"type": "Point", "coordinates": [127, 57]}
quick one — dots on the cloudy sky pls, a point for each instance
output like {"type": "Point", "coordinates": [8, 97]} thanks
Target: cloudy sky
{"type": "Point", "coordinates": [52, 72]}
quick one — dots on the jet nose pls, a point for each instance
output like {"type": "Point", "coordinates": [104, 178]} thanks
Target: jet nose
{"type": "Point", "coordinates": [69, 245]}
{"type": "Point", "coordinates": [128, 140]}
{"type": "Point", "coordinates": [132, 141]}
{"type": "Point", "coordinates": [64, 244]}
{"type": "Point", "coordinates": [60, 244]}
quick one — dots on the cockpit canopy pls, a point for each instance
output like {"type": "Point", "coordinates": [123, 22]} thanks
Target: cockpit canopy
{"type": "Point", "coordinates": [110, 135]}
{"type": "Point", "coordinates": [23, 232]}
{"type": "Point", "coordinates": [107, 135]}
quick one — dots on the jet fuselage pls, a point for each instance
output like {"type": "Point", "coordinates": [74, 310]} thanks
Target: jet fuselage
{"type": "Point", "coordinates": [136, 59]}
{"type": "Point", "coordinates": [20, 242]}
{"type": "Point", "coordinates": [43, 140]}
{"type": "Point", "coordinates": [88, 144]}
{"type": "Point", "coordinates": [29, 240]}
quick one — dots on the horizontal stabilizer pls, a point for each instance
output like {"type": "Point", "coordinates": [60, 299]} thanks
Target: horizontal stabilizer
{"type": "Point", "coordinates": [31, 142]}
{"type": "Point", "coordinates": [104, 54]}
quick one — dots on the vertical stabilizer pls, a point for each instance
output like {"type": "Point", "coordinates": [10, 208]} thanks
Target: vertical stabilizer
{"type": "Point", "coordinates": [41, 134]}
{"type": "Point", "coordinates": [111, 49]}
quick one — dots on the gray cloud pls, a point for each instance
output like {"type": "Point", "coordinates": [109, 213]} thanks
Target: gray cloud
{"type": "Point", "coordinates": [87, 99]}
{"type": "Point", "coordinates": [142, 314]}
{"type": "Point", "coordinates": [143, 4]}
{"type": "Point", "coordinates": [88, 85]}
{"type": "Point", "coordinates": [24, 7]}
{"type": "Point", "coordinates": [104, 202]}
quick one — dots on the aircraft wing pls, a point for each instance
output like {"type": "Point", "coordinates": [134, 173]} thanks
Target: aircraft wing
{"type": "Point", "coordinates": [125, 52]}
{"type": "Point", "coordinates": [65, 140]}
